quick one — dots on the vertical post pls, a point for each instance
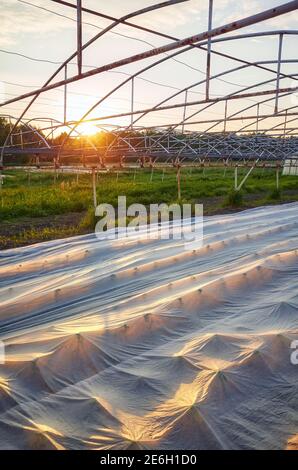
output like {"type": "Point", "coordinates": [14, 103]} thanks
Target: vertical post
{"type": "Point", "coordinates": [278, 72]}
{"type": "Point", "coordinates": [179, 181]}
{"type": "Point", "coordinates": [22, 141]}
{"type": "Point", "coordinates": [209, 49]}
{"type": "Point", "coordinates": [132, 100]}
{"type": "Point", "coordinates": [184, 111]}
{"type": "Point", "coordinates": [285, 125]}
{"type": "Point", "coordinates": [82, 151]}
{"type": "Point", "coordinates": [10, 134]}
{"type": "Point", "coordinates": [151, 176]}
{"type": "Point", "coordinates": [257, 123]}
{"type": "Point", "coordinates": [277, 178]}
{"type": "Point", "coordinates": [94, 187]}
{"type": "Point", "coordinates": [52, 132]}
{"type": "Point", "coordinates": [1, 182]}
{"type": "Point", "coordinates": [79, 35]}
{"type": "Point", "coordinates": [226, 112]}
{"type": "Point", "coordinates": [236, 178]}
{"type": "Point", "coordinates": [65, 95]}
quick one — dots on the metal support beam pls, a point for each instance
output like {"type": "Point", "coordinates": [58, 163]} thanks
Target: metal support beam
{"type": "Point", "coordinates": [184, 111]}
{"type": "Point", "coordinates": [65, 97]}
{"type": "Point", "coordinates": [132, 100]}
{"type": "Point", "coordinates": [278, 71]}
{"type": "Point", "coordinates": [209, 49]}
{"type": "Point", "coordinates": [79, 36]}
{"type": "Point", "coordinates": [250, 20]}
{"type": "Point", "coordinates": [226, 113]}
{"type": "Point", "coordinates": [238, 187]}
{"type": "Point", "coordinates": [94, 188]}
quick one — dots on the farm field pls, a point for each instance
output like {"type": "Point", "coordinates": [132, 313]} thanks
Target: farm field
{"type": "Point", "coordinates": [34, 207]}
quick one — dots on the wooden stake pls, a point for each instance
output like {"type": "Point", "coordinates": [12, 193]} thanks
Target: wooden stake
{"type": "Point", "coordinates": [1, 182]}
{"type": "Point", "coordinates": [236, 178]}
{"type": "Point", "coordinates": [151, 176]}
{"type": "Point", "coordinates": [94, 188]}
{"type": "Point", "coordinates": [179, 182]}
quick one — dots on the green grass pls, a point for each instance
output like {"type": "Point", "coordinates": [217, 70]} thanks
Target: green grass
{"type": "Point", "coordinates": [27, 237]}
{"type": "Point", "coordinates": [38, 195]}
{"type": "Point", "coordinates": [41, 196]}
{"type": "Point", "coordinates": [233, 199]}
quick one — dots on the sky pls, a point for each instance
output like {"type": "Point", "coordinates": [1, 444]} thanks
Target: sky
{"type": "Point", "coordinates": [37, 35]}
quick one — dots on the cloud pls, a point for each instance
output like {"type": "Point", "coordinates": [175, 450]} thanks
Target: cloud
{"type": "Point", "coordinates": [176, 15]}
{"type": "Point", "coordinates": [18, 18]}
{"type": "Point", "coordinates": [244, 9]}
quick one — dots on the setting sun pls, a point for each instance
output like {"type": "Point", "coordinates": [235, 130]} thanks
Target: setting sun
{"type": "Point", "coordinates": [86, 128]}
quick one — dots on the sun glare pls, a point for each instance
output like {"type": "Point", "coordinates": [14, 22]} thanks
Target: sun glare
{"type": "Point", "coordinates": [87, 128]}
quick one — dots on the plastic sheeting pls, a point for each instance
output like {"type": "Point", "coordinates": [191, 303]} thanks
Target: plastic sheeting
{"type": "Point", "coordinates": [140, 344]}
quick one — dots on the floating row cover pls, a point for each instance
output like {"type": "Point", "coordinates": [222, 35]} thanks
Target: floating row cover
{"type": "Point", "coordinates": [291, 166]}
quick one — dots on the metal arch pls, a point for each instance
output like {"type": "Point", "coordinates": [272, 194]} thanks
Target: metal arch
{"type": "Point", "coordinates": [179, 141]}
{"type": "Point", "coordinates": [26, 124]}
{"type": "Point", "coordinates": [209, 105]}
{"type": "Point", "coordinates": [176, 93]}
{"type": "Point", "coordinates": [246, 108]}
{"type": "Point", "coordinates": [250, 124]}
{"type": "Point", "coordinates": [235, 25]}
{"type": "Point", "coordinates": [64, 125]}
{"type": "Point", "coordinates": [127, 80]}
{"type": "Point", "coordinates": [171, 96]}
{"type": "Point", "coordinates": [234, 114]}
{"type": "Point", "coordinates": [215, 101]}
{"type": "Point", "coordinates": [84, 46]}
{"type": "Point", "coordinates": [210, 40]}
